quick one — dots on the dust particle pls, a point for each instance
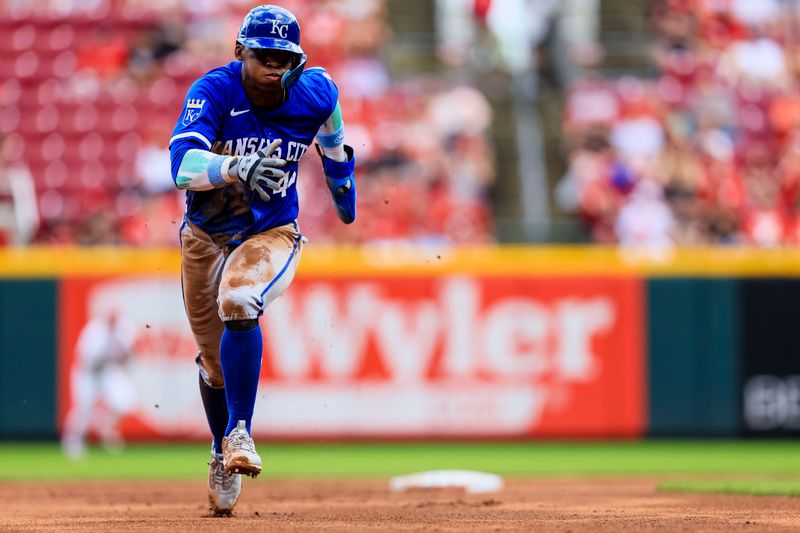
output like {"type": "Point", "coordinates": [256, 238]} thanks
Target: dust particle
{"type": "Point", "coordinates": [147, 326]}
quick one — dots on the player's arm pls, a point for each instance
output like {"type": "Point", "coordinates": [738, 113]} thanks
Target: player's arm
{"type": "Point", "coordinates": [196, 168]}
{"type": "Point", "coordinates": [202, 170]}
{"type": "Point", "coordinates": [338, 164]}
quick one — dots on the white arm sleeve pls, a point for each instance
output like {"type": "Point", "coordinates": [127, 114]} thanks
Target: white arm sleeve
{"type": "Point", "coordinates": [201, 170]}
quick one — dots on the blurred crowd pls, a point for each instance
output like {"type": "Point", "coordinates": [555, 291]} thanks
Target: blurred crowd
{"type": "Point", "coordinates": [707, 151]}
{"type": "Point", "coordinates": [91, 89]}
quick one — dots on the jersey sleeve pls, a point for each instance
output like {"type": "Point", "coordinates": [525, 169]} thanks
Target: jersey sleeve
{"type": "Point", "coordinates": [200, 120]}
{"type": "Point", "coordinates": [326, 91]}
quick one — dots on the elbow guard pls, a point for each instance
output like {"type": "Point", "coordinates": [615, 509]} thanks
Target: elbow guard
{"type": "Point", "coordinates": [341, 181]}
{"type": "Point", "coordinates": [201, 170]}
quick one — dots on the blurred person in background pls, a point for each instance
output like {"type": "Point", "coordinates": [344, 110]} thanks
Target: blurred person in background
{"type": "Point", "coordinates": [19, 214]}
{"type": "Point", "coordinates": [645, 221]}
{"type": "Point", "coordinates": [101, 392]}
{"type": "Point", "coordinates": [235, 149]}
{"type": "Point", "coordinates": [764, 218]}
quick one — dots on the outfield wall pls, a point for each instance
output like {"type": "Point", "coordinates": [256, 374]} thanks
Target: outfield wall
{"type": "Point", "coordinates": [512, 342]}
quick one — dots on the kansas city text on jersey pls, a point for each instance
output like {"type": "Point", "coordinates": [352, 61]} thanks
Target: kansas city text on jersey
{"type": "Point", "coordinates": [250, 145]}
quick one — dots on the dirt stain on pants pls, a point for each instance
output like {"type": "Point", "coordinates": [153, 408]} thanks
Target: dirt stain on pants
{"type": "Point", "coordinates": [220, 283]}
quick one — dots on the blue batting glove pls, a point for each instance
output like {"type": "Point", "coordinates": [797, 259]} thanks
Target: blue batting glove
{"type": "Point", "coordinates": [341, 181]}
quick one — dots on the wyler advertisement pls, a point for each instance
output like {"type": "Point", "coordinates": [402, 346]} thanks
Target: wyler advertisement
{"type": "Point", "coordinates": [438, 356]}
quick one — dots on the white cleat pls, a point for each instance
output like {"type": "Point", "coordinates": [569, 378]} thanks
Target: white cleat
{"type": "Point", "coordinates": [223, 487]}
{"type": "Point", "coordinates": [240, 452]}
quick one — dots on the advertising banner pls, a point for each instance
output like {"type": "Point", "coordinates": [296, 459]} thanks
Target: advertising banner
{"type": "Point", "coordinates": [390, 356]}
{"type": "Point", "coordinates": [771, 382]}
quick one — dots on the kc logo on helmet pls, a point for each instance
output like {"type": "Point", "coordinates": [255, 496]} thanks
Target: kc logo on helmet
{"type": "Point", "coordinates": [280, 29]}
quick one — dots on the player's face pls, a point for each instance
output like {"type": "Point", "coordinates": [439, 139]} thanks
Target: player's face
{"type": "Point", "coordinates": [265, 67]}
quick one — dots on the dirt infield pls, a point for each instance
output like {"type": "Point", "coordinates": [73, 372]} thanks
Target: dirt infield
{"type": "Point", "coordinates": [366, 505]}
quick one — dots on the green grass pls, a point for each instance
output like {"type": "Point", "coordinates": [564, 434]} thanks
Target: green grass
{"type": "Point", "coordinates": [756, 486]}
{"type": "Point", "coordinates": [26, 461]}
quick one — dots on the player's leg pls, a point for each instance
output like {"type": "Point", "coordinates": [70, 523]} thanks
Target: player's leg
{"type": "Point", "coordinates": [256, 273]}
{"type": "Point", "coordinates": [83, 394]}
{"type": "Point", "coordinates": [119, 395]}
{"type": "Point", "coordinates": [202, 260]}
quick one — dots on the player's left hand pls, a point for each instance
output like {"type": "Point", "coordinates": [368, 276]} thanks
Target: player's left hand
{"type": "Point", "coordinates": [260, 170]}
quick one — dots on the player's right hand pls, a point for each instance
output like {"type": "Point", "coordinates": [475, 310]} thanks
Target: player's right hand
{"type": "Point", "coordinates": [260, 170]}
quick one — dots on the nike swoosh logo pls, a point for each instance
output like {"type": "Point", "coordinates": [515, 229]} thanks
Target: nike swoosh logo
{"type": "Point", "coordinates": [235, 113]}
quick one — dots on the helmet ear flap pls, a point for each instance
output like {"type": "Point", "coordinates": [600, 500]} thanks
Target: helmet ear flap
{"type": "Point", "coordinates": [290, 77]}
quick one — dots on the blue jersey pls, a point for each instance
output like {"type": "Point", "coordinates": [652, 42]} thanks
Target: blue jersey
{"type": "Point", "coordinates": [218, 116]}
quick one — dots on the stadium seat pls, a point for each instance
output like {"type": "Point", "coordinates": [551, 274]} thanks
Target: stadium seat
{"type": "Point", "coordinates": [6, 40]}
{"type": "Point", "coordinates": [52, 147]}
{"type": "Point", "coordinates": [91, 175]}
{"type": "Point", "coordinates": [14, 146]}
{"type": "Point", "coordinates": [85, 118]}
{"type": "Point", "coordinates": [51, 204]}
{"type": "Point", "coordinates": [46, 119]}
{"type": "Point", "coordinates": [127, 145]}
{"type": "Point", "coordinates": [60, 38]}
{"type": "Point", "coordinates": [124, 118]}
{"type": "Point", "coordinates": [28, 65]}
{"type": "Point", "coordinates": [55, 174]}
{"type": "Point", "coordinates": [91, 147]}
{"type": "Point", "coordinates": [10, 92]}
{"type": "Point", "coordinates": [162, 90]}
{"type": "Point", "coordinates": [24, 38]}
{"type": "Point", "coordinates": [10, 119]}
{"type": "Point", "coordinates": [64, 64]}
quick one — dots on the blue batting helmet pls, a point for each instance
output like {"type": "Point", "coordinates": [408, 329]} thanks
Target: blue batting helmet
{"type": "Point", "coordinates": [270, 27]}
{"type": "Point", "coordinates": [276, 28]}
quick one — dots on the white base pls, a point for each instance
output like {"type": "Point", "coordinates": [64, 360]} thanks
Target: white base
{"type": "Point", "coordinates": [471, 481]}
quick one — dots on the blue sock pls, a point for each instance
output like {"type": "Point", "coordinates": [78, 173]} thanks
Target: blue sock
{"type": "Point", "coordinates": [240, 358]}
{"type": "Point", "coordinates": [216, 407]}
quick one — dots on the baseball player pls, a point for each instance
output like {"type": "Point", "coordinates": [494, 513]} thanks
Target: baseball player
{"type": "Point", "coordinates": [100, 387]}
{"type": "Point", "coordinates": [235, 150]}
